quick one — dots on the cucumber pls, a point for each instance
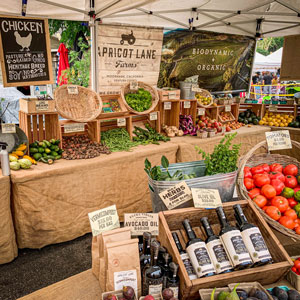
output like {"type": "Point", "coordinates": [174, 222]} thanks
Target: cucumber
{"type": "Point", "coordinates": [37, 156]}
{"type": "Point", "coordinates": [33, 150]}
{"type": "Point", "coordinates": [47, 150]}
{"type": "Point", "coordinates": [50, 157]}
{"type": "Point", "coordinates": [44, 160]}
{"type": "Point", "coordinates": [42, 144]}
{"type": "Point", "coordinates": [56, 149]}
{"type": "Point", "coordinates": [60, 151]}
{"type": "Point", "coordinates": [53, 147]}
{"type": "Point", "coordinates": [48, 144]}
{"type": "Point", "coordinates": [41, 150]}
{"type": "Point", "coordinates": [57, 142]}
{"type": "Point", "coordinates": [54, 153]}
{"type": "Point", "coordinates": [45, 155]}
{"type": "Point", "coordinates": [57, 157]}
{"type": "Point", "coordinates": [52, 141]}
{"type": "Point", "coordinates": [34, 145]}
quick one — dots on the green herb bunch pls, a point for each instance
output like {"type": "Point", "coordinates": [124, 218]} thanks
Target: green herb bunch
{"type": "Point", "coordinates": [224, 158]}
{"type": "Point", "coordinates": [148, 135]}
{"type": "Point", "coordinates": [139, 101]}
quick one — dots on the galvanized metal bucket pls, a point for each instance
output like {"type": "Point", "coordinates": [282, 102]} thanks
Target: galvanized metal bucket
{"type": "Point", "coordinates": [186, 90]}
{"type": "Point", "coordinates": [225, 183]}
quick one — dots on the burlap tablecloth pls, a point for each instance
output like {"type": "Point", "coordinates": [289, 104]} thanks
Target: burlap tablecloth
{"type": "Point", "coordinates": [8, 246]}
{"type": "Point", "coordinates": [51, 202]}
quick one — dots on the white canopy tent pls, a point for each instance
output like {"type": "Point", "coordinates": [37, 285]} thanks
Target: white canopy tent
{"type": "Point", "coordinates": [264, 63]}
{"type": "Point", "coordinates": [276, 56]}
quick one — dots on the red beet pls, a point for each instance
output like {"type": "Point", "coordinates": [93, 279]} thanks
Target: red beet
{"type": "Point", "coordinates": [167, 294]}
{"type": "Point", "coordinates": [110, 297]}
{"type": "Point", "coordinates": [128, 292]}
{"type": "Point", "coordinates": [149, 297]}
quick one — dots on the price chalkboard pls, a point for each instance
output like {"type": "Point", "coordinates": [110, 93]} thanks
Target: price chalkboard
{"type": "Point", "coordinates": [25, 51]}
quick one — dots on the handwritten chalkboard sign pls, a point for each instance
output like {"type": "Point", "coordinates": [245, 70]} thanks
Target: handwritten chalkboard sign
{"type": "Point", "coordinates": [25, 51]}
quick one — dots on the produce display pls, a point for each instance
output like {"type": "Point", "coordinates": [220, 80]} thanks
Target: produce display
{"type": "Point", "coordinates": [295, 123]}
{"type": "Point", "coordinates": [226, 116]}
{"type": "Point", "coordinates": [283, 293]}
{"type": "Point", "coordinates": [17, 164]}
{"type": "Point", "coordinates": [206, 122]}
{"type": "Point", "coordinates": [233, 125]}
{"type": "Point", "coordinates": [296, 266]}
{"type": "Point", "coordinates": [249, 117]}
{"type": "Point", "coordinates": [148, 135]}
{"type": "Point", "coordinates": [82, 147]}
{"type": "Point", "coordinates": [46, 151]}
{"type": "Point", "coordinates": [172, 131]}
{"type": "Point", "coordinates": [276, 190]}
{"type": "Point", "coordinates": [19, 153]}
{"type": "Point", "coordinates": [276, 119]}
{"type": "Point", "coordinates": [203, 100]}
{"type": "Point", "coordinates": [126, 294]}
{"type": "Point", "coordinates": [187, 126]}
{"type": "Point", "coordinates": [139, 101]}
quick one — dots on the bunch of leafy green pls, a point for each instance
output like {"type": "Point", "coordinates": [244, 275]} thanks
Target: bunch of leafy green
{"type": "Point", "coordinates": [139, 101]}
{"type": "Point", "coordinates": [224, 158]}
{"type": "Point", "coordinates": [156, 173]}
{"type": "Point", "coordinates": [148, 135]}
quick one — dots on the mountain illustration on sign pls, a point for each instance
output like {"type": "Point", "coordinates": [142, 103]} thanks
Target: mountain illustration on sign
{"type": "Point", "coordinates": [24, 42]}
{"type": "Point", "coordinates": [130, 38]}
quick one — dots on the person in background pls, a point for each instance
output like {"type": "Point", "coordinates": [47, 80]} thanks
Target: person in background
{"type": "Point", "coordinates": [267, 81]}
{"type": "Point", "coordinates": [255, 78]}
{"type": "Point", "coordinates": [274, 80]}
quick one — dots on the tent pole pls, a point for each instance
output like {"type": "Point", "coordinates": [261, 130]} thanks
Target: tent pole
{"type": "Point", "coordinates": [255, 47]}
{"type": "Point", "coordinates": [93, 55]}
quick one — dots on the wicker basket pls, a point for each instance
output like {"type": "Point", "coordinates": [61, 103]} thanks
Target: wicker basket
{"type": "Point", "coordinates": [82, 107]}
{"type": "Point", "coordinates": [155, 98]}
{"type": "Point", "coordinates": [204, 93]}
{"type": "Point", "coordinates": [251, 160]}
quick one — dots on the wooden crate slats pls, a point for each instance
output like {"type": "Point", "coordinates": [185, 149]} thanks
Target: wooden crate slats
{"type": "Point", "coordinates": [34, 128]}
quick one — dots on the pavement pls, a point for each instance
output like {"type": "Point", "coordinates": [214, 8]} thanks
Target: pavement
{"type": "Point", "coordinates": [34, 269]}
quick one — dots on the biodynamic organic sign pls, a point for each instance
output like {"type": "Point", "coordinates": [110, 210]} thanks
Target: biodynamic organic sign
{"type": "Point", "coordinates": [25, 51]}
{"type": "Point", "coordinates": [125, 54]}
{"type": "Point", "coordinates": [222, 61]}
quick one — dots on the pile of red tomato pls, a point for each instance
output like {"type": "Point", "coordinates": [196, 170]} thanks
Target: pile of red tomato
{"type": "Point", "coordinates": [276, 190]}
{"type": "Point", "coordinates": [296, 267]}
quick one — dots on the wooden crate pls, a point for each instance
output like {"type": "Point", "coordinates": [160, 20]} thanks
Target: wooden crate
{"type": "Point", "coordinates": [34, 106]}
{"type": "Point", "coordinates": [166, 94]}
{"type": "Point", "coordinates": [290, 109]}
{"type": "Point", "coordinates": [42, 126]}
{"type": "Point", "coordinates": [258, 109]}
{"type": "Point", "coordinates": [189, 111]}
{"type": "Point", "coordinates": [107, 101]}
{"type": "Point", "coordinates": [171, 221]}
{"type": "Point", "coordinates": [170, 117]}
{"type": "Point", "coordinates": [232, 118]}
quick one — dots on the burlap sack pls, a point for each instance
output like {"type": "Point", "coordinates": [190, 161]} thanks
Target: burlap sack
{"type": "Point", "coordinates": [95, 254]}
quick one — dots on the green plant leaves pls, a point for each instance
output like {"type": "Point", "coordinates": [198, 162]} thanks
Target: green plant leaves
{"type": "Point", "coordinates": [164, 162]}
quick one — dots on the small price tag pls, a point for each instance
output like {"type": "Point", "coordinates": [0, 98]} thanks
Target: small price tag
{"type": "Point", "coordinates": [153, 116]}
{"type": "Point", "coordinates": [278, 140]}
{"type": "Point", "coordinates": [41, 105]}
{"type": "Point", "coordinates": [206, 198]}
{"type": "Point", "coordinates": [8, 128]}
{"type": "Point", "coordinates": [167, 105]}
{"type": "Point", "coordinates": [134, 85]}
{"type": "Point", "coordinates": [176, 195]}
{"type": "Point", "coordinates": [74, 127]}
{"type": "Point", "coordinates": [121, 122]}
{"type": "Point", "coordinates": [195, 88]}
{"type": "Point", "coordinates": [72, 89]}
{"type": "Point", "coordinates": [201, 111]}
{"type": "Point", "coordinates": [141, 222]}
{"type": "Point", "coordinates": [172, 95]}
{"type": "Point", "coordinates": [187, 104]}
{"type": "Point", "coordinates": [227, 107]}
{"type": "Point", "coordinates": [104, 219]}
{"type": "Point", "coordinates": [273, 108]}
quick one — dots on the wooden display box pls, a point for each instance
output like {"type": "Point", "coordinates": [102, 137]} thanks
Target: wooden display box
{"type": "Point", "coordinates": [171, 221]}
{"type": "Point", "coordinates": [232, 118]}
{"type": "Point", "coordinates": [41, 126]}
{"type": "Point", "coordinates": [290, 109]}
{"type": "Point", "coordinates": [192, 110]}
{"type": "Point", "coordinates": [169, 117]}
{"type": "Point", "coordinates": [111, 101]}
{"type": "Point", "coordinates": [34, 106]}
{"type": "Point", "coordinates": [258, 109]}
{"type": "Point", "coordinates": [168, 94]}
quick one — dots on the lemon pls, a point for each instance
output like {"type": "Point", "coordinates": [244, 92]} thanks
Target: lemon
{"type": "Point", "coordinates": [261, 122]}
{"type": "Point", "coordinates": [281, 125]}
{"type": "Point", "coordinates": [286, 116]}
{"type": "Point", "coordinates": [271, 123]}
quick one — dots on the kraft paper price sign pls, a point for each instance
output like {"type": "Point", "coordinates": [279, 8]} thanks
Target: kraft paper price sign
{"type": "Point", "coordinates": [187, 104]}
{"type": "Point", "coordinates": [167, 105]}
{"type": "Point", "coordinates": [153, 116]}
{"type": "Point", "coordinates": [195, 88]}
{"type": "Point", "coordinates": [278, 140]}
{"type": "Point", "coordinates": [141, 222]}
{"type": "Point", "coordinates": [176, 195]}
{"type": "Point", "coordinates": [134, 85]}
{"type": "Point", "coordinates": [72, 89]}
{"type": "Point", "coordinates": [8, 128]}
{"type": "Point", "coordinates": [172, 95]}
{"type": "Point", "coordinates": [206, 198]}
{"type": "Point", "coordinates": [121, 122]}
{"type": "Point", "coordinates": [126, 278]}
{"type": "Point", "coordinates": [273, 108]}
{"type": "Point", "coordinates": [74, 127]}
{"type": "Point", "coordinates": [227, 107]}
{"type": "Point", "coordinates": [104, 219]}
{"type": "Point", "coordinates": [201, 111]}
{"type": "Point", "coordinates": [41, 105]}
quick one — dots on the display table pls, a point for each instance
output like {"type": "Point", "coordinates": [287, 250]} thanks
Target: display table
{"type": "Point", "coordinates": [8, 246]}
{"type": "Point", "coordinates": [51, 202]}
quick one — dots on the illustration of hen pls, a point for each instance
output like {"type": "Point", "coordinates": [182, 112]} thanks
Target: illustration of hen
{"type": "Point", "coordinates": [24, 42]}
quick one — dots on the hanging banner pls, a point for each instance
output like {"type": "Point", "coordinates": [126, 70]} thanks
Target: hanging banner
{"type": "Point", "coordinates": [125, 54]}
{"type": "Point", "coordinates": [25, 52]}
{"type": "Point", "coordinates": [222, 61]}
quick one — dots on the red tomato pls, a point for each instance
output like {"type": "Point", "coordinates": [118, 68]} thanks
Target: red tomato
{"type": "Point", "coordinates": [281, 203]}
{"type": "Point", "coordinates": [254, 192]}
{"type": "Point", "coordinates": [291, 214]}
{"type": "Point", "coordinates": [247, 172]}
{"type": "Point", "coordinates": [257, 170]}
{"type": "Point", "coordinates": [276, 168]}
{"type": "Point", "coordinates": [273, 212]}
{"type": "Point", "coordinates": [249, 183]}
{"type": "Point", "coordinates": [298, 222]}
{"type": "Point", "coordinates": [297, 264]}
{"type": "Point", "coordinates": [268, 191]}
{"type": "Point", "coordinates": [290, 170]}
{"type": "Point", "coordinates": [294, 269]}
{"type": "Point", "coordinates": [298, 230]}
{"type": "Point", "coordinates": [261, 179]}
{"type": "Point", "coordinates": [278, 185]}
{"type": "Point", "coordinates": [290, 181]}
{"type": "Point", "coordinates": [277, 175]}
{"type": "Point", "coordinates": [266, 167]}
{"type": "Point", "coordinates": [292, 202]}
{"type": "Point", "coordinates": [265, 208]}
{"type": "Point", "coordinates": [287, 222]}
{"type": "Point", "coordinates": [296, 189]}
{"type": "Point", "coordinates": [260, 201]}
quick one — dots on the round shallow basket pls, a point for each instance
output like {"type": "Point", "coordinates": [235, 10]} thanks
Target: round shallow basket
{"type": "Point", "coordinates": [126, 90]}
{"type": "Point", "coordinates": [82, 107]}
{"type": "Point", "coordinates": [251, 160]}
{"type": "Point", "coordinates": [204, 93]}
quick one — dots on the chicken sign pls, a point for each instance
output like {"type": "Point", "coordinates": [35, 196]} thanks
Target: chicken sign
{"type": "Point", "coordinates": [25, 51]}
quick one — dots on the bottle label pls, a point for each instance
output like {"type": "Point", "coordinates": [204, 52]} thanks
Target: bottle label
{"type": "Point", "coordinates": [200, 259]}
{"type": "Point", "coordinates": [155, 289]}
{"type": "Point", "coordinates": [255, 244]}
{"type": "Point", "coordinates": [218, 256]}
{"type": "Point", "coordinates": [175, 290]}
{"type": "Point", "coordinates": [235, 247]}
{"type": "Point", "coordinates": [188, 266]}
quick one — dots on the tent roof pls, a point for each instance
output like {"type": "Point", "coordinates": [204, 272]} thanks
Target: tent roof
{"type": "Point", "coordinates": [276, 56]}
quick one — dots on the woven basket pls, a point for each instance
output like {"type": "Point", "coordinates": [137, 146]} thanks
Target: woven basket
{"type": "Point", "coordinates": [204, 93]}
{"type": "Point", "coordinates": [251, 160]}
{"type": "Point", "coordinates": [82, 107]}
{"type": "Point", "coordinates": [126, 90]}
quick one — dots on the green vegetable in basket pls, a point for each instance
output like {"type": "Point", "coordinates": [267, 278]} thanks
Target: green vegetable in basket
{"type": "Point", "coordinates": [233, 295]}
{"type": "Point", "coordinates": [148, 135]}
{"type": "Point", "coordinates": [139, 101]}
